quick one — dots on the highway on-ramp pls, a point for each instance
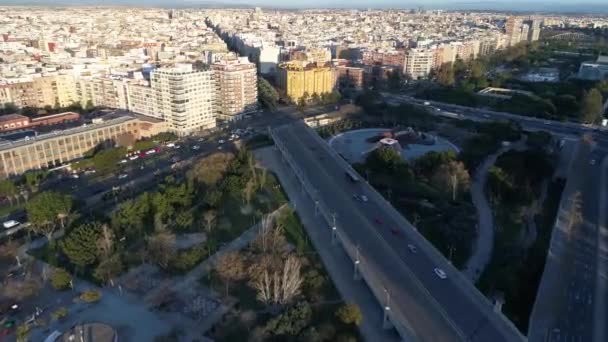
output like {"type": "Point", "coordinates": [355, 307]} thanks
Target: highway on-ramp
{"type": "Point", "coordinates": [433, 309]}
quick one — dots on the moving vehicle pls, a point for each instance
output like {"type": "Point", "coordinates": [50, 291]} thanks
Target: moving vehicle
{"type": "Point", "coordinates": [123, 176]}
{"type": "Point", "coordinates": [378, 220]}
{"type": "Point", "coordinates": [412, 248]}
{"type": "Point", "coordinates": [352, 176]}
{"type": "Point", "coordinates": [10, 224]}
{"type": "Point", "coordinates": [196, 147]}
{"type": "Point", "coordinates": [440, 273]}
{"type": "Point", "coordinates": [592, 162]}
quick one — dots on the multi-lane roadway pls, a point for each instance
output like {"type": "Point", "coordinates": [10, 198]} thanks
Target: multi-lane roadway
{"type": "Point", "coordinates": [431, 308]}
{"type": "Point", "coordinates": [572, 298]}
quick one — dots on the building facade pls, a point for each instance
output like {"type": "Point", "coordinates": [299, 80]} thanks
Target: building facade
{"type": "Point", "coordinates": [57, 148]}
{"type": "Point", "coordinates": [419, 63]}
{"type": "Point", "coordinates": [236, 84]}
{"type": "Point", "coordinates": [298, 79]}
{"type": "Point", "coordinates": [513, 28]}
{"type": "Point", "coordinates": [181, 96]}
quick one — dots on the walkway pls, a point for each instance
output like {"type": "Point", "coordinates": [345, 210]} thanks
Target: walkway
{"type": "Point", "coordinates": [188, 281]}
{"type": "Point", "coordinates": [484, 244]}
{"type": "Point", "coordinates": [337, 263]}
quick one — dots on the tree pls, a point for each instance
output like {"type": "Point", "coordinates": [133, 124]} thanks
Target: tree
{"type": "Point", "coordinates": [8, 189]}
{"type": "Point", "coordinates": [445, 75]}
{"type": "Point", "coordinates": [89, 106]}
{"type": "Point", "coordinates": [108, 269]}
{"type": "Point", "coordinates": [280, 287]}
{"type": "Point", "coordinates": [105, 243]}
{"type": "Point", "coordinates": [292, 322]}
{"type": "Point", "coordinates": [130, 218]}
{"type": "Point", "coordinates": [210, 170]}
{"type": "Point", "coordinates": [267, 94]}
{"type": "Point", "coordinates": [231, 267]}
{"type": "Point", "coordinates": [34, 178]}
{"type": "Point", "coordinates": [161, 247]}
{"type": "Point", "coordinates": [209, 216]}
{"type": "Point", "coordinates": [61, 279]}
{"type": "Point", "coordinates": [591, 107]}
{"type": "Point", "coordinates": [212, 197]}
{"type": "Point", "coordinates": [394, 80]}
{"type": "Point", "coordinates": [80, 245]}
{"type": "Point", "coordinates": [452, 175]}
{"type": "Point", "coordinates": [350, 314]}
{"type": "Point", "coordinates": [248, 191]}
{"type": "Point", "coordinates": [46, 210]}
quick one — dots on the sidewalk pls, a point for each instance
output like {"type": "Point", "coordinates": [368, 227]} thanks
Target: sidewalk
{"type": "Point", "coordinates": [337, 263]}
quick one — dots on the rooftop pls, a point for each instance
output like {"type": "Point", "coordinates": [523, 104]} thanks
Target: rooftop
{"type": "Point", "coordinates": [12, 117]}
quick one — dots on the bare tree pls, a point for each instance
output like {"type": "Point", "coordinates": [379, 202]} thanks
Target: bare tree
{"type": "Point", "coordinates": [105, 244]}
{"type": "Point", "coordinates": [231, 267]}
{"type": "Point", "coordinates": [161, 247]}
{"type": "Point", "coordinates": [280, 286]}
{"type": "Point", "coordinates": [452, 175]}
{"type": "Point", "coordinates": [248, 191]}
{"type": "Point", "coordinates": [209, 216]}
{"type": "Point", "coordinates": [263, 178]}
{"type": "Point", "coordinates": [252, 169]}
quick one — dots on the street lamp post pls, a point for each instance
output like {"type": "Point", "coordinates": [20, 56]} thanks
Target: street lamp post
{"type": "Point", "coordinates": [387, 308]}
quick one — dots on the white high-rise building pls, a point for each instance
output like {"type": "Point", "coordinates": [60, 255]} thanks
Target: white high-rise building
{"type": "Point", "coordinates": [181, 96]}
{"type": "Point", "coordinates": [419, 62]}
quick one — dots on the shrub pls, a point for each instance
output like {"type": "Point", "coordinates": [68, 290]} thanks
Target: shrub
{"type": "Point", "coordinates": [350, 314]}
{"type": "Point", "coordinates": [60, 313]}
{"type": "Point", "coordinates": [60, 280]}
{"type": "Point", "coordinates": [91, 296]}
{"type": "Point", "coordinates": [186, 260]}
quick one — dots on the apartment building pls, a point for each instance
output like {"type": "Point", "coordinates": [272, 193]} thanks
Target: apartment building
{"type": "Point", "coordinates": [297, 79]}
{"type": "Point", "coordinates": [236, 84]}
{"type": "Point", "coordinates": [57, 148]}
{"type": "Point", "coordinates": [350, 77]}
{"type": "Point", "coordinates": [182, 96]}
{"type": "Point", "coordinates": [513, 28]}
{"type": "Point", "coordinates": [39, 92]}
{"type": "Point", "coordinates": [419, 62]}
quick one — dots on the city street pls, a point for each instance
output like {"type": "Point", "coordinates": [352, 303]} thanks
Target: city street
{"type": "Point", "coordinates": [573, 282]}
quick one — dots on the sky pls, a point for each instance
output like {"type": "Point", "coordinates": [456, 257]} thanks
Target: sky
{"type": "Point", "coordinates": [587, 6]}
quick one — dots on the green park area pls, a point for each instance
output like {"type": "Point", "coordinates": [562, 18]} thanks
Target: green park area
{"type": "Point", "coordinates": [276, 286]}
{"type": "Point", "coordinates": [282, 290]}
{"type": "Point", "coordinates": [221, 196]}
{"type": "Point", "coordinates": [567, 99]}
{"type": "Point", "coordinates": [525, 202]}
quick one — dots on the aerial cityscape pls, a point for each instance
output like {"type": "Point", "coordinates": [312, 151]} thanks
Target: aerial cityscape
{"type": "Point", "coordinates": [306, 171]}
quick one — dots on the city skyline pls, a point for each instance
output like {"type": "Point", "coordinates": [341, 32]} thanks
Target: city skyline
{"type": "Point", "coordinates": [559, 6]}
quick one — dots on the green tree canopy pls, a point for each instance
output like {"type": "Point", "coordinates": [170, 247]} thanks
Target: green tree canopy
{"type": "Point", "coordinates": [445, 75]}
{"type": "Point", "coordinates": [8, 189]}
{"type": "Point", "coordinates": [267, 94]}
{"type": "Point", "coordinates": [47, 210]}
{"type": "Point", "coordinates": [80, 245]}
{"type": "Point", "coordinates": [350, 314]}
{"type": "Point", "coordinates": [591, 107]}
